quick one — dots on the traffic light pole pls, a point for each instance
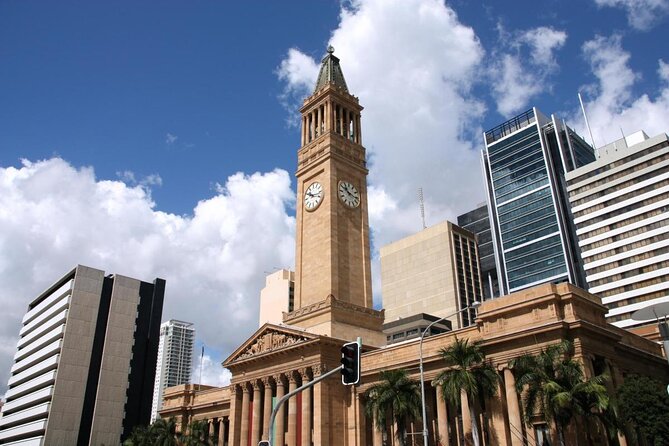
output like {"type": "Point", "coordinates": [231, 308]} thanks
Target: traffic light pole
{"type": "Point", "coordinates": [295, 392]}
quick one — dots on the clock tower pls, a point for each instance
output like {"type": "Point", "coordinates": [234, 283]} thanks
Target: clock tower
{"type": "Point", "coordinates": [333, 289]}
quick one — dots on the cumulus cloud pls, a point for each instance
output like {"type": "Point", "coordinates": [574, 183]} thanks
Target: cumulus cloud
{"type": "Point", "coordinates": [54, 216]}
{"type": "Point", "coordinates": [522, 71]}
{"type": "Point", "coordinates": [611, 103]}
{"type": "Point", "coordinates": [641, 14]}
{"type": "Point", "coordinates": [212, 373]}
{"type": "Point", "coordinates": [298, 72]}
{"type": "Point", "coordinates": [412, 63]}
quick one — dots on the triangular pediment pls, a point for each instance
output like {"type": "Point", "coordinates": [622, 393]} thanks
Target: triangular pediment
{"type": "Point", "coordinates": [268, 339]}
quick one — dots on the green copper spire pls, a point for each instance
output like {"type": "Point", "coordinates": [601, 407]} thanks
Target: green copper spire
{"type": "Point", "coordinates": [330, 72]}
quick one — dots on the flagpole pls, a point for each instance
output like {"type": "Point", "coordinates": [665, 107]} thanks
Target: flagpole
{"type": "Point", "coordinates": [199, 386]}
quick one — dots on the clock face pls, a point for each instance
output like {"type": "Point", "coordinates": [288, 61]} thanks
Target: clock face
{"type": "Point", "coordinates": [348, 194]}
{"type": "Point", "coordinates": [313, 196]}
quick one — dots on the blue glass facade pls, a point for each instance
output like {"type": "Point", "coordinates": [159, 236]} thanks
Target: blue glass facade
{"type": "Point", "coordinates": [524, 166]}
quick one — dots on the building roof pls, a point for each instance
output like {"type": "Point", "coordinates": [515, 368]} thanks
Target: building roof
{"type": "Point", "coordinates": [330, 72]}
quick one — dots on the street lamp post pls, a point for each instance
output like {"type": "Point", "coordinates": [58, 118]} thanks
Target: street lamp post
{"type": "Point", "coordinates": [474, 305]}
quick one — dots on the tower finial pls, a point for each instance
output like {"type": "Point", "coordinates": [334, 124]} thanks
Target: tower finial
{"type": "Point", "coordinates": [330, 49]}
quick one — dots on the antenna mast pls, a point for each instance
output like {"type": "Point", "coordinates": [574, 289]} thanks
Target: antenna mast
{"type": "Point", "coordinates": [587, 124]}
{"type": "Point", "coordinates": [422, 205]}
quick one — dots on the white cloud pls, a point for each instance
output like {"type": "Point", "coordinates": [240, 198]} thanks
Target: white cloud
{"type": "Point", "coordinates": [412, 63]}
{"type": "Point", "coordinates": [641, 14]}
{"type": "Point", "coordinates": [213, 373]}
{"type": "Point", "coordinates": [611, 103]}
{"type": "Point", "coordinates": [170, 138]}
{"type": "Point", "coordinates": [663, 70]}
{"type": "Point", "coordinates": [54, 216]}
{"type": "Point", "coordinates": [522, 71]}
{"type": "Point", "coordinates": [543, 42]}
{"type": "Point", "coordinates": [298, 72]}
{"type": "Point", "coordinates": [516, 86]}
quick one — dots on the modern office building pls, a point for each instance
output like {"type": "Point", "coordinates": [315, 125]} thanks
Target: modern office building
{"type": "Point", "coordinates": [620, 205]}
{"type": "Point", "coordinates": [175, 359]}
{"type": "Point", "coordinates": [277, 297]}
{"type": "Point", "coordinates": [435, 272]}
{"type": "Point", "coordinates": [85, 361]}
{"type": "Point", "coordinates": [524, 163]}
{"type": "Point", "coordinates": [478, 222]}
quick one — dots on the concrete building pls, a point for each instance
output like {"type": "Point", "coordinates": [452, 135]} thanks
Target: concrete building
{"type": "Point", "coordinates": [175, 359]}
{"type": "Point", "coordinates": [524, 163]}
{"type": "Point", "coordinates": [411, 327]}
{"type": "Point", "coordinates": [477, 221]}
{"type": "Point", "coordinates": [620, 205]}
{"type": "Point", "coordinates": [85, 361]}
{"type": "Point", "coordinates": [277, 297]}
{"type": "Point", "coordinates": [434, 271]}
{"type": "Point", "coordinates": [332, 250]}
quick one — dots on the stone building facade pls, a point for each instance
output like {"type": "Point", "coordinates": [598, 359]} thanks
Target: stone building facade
{"type": "Point", "coordinates": [277, 359]}
{"type": "Point", "coordinates": [333, 305]}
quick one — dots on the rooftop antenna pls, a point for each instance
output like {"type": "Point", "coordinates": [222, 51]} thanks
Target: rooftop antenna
{"type": "Point", "coordinates": [587, 124]}
{"type": "Point", "coordinates": [422, 205]}
{"type": "Point", "coordinates": [624, 138]}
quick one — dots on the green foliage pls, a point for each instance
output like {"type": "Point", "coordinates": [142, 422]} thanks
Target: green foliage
{"type": "Point", "coordinates": [467, 371]}
{"type": "Point", "coordinates": [553, 384]}
{"type": "Point", "coordinates": [396, 396]}
{"type": "Point", "coordinates": [644, 402]}
{"type": "Point", "coordinates": [163, 432]}
{"type": "Point", "coordinates": [197, 435]}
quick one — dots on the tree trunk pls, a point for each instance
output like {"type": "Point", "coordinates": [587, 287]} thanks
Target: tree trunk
{"type": "Point", "coordinates": [560, 431]}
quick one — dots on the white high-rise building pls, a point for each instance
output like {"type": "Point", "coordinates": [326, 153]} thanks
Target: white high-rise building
{"type": "Point", "coordinates": [175, 359]}
{"type": "Point", "coordinates": [620, 205]}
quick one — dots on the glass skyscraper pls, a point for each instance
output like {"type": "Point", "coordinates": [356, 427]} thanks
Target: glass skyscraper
{"type": "Point", "coordinates": [524, 163]}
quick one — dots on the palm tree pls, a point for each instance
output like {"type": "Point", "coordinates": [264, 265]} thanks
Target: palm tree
{"type": "Point", "coordinates": [552, 383]}
{"type": "Point", "coordinates": [467, 372]}
{"type": "Point", "coordinates": [164, 432]}
{"type": "Point", "coordinates": [197, 435]}
{"type": "Point", "coordinates": [396, 396]}
{"type": "Point", "coordinates": [140, 436]}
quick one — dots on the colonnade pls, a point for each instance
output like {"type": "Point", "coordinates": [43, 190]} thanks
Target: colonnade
{"type": "Point", "coordinates": [500, 425]}
{"type": "Point", "coordinates": [331, 117]}
{"type": "Point", "coordinates": [252, 403]}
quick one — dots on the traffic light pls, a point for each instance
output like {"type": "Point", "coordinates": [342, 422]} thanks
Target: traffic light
{"type": "Point", "coordinates": [350, 364]}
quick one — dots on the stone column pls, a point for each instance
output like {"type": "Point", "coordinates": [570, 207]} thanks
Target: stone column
{"type": "Point", "coordinates": [291, 435]}
{"type": "Point", "coordinates": [513, 408]}
{"type": "Point", "coordinates": [306, 410]}
{"type": "Point", "coordinates": [442, 417]}
{"type": "Point", "coordinates": [221, 431]}
{"type": "Point", "coordinates": [321, 408]}
{"type": "Point", "coordinates": [244, 429]}
{"type": "Point", "coordinates": [319, 125]}
{"type": "Point", "coordinates": [304, 121]}
{"type": "Point", "coordinates": [359, 131]}
{"type": "Point", "coordinates": [211, 433]}
{"type": "Point", "coordinates": [466, 418]}
{"type": "Point", "coordinates": [377, 434]}
{"type": "Point", "coordinates": [500, 435]}
{"type": "Point", "coordinates": [615, 380]}
{"type": "Point", "coordinates": [256, 426]}
{"type": "Point", "coordinates": [235, 416]}
{"type": "Point", "coordinates": [279, 433]}
{"type": "Point", "coordinates": [267, 408]}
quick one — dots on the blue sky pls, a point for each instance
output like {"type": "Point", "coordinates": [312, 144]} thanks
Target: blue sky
{"type": "Point", "coordinates": [159, 138]}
